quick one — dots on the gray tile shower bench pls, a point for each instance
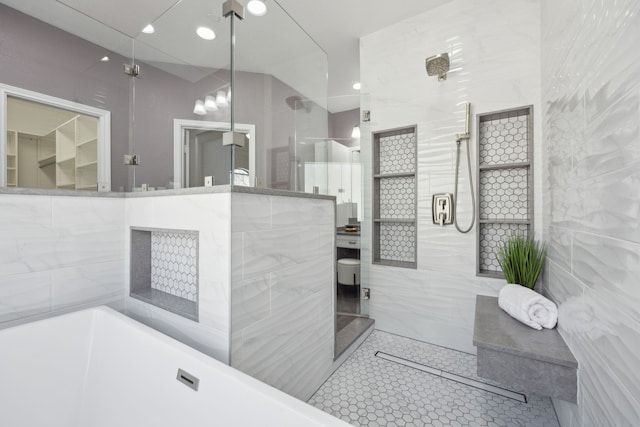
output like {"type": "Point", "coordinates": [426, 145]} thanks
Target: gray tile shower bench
{"type": "Point", "coordinates": [520, 357]}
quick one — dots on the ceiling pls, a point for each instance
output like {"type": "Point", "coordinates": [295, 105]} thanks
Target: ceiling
{"type": "Point", "coordinates": [335, 25]}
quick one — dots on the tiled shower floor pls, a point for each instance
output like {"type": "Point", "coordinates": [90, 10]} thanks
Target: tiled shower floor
{"type": "Point", "coordinates": [371, 390]}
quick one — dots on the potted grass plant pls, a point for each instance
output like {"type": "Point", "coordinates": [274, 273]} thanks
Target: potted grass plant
{"type": "Point", "coordinates": [521, 259]}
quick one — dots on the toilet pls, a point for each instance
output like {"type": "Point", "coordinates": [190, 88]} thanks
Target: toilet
{"type": "Point", "coordinates": [349, 271]}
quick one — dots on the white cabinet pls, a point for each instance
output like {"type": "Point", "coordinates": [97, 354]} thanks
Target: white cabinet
{"type": "Point", "coordinates": [346, 241]}
{"type": "Point", "coordinates": [66, 158]}
{"type": "Point", "coordinates": [77, 154]}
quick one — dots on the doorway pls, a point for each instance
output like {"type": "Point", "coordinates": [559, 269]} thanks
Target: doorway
{"type": "Point", "coordinates": [199, 153]}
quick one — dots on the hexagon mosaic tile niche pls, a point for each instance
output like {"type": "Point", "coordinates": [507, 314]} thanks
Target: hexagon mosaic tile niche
{"type": "Point", "coordinates": [397, 198]}
{"type": "Point", "coordinates": [505, 187]}
{"type": "Point", "coordinates": [164, 269]}
{"type": "Point", "coordinates": [398, 152]}
{"type": "Point", "coordinates": [174, 268]}
{"type": "Point", "coordinates": [394, 198]}
{"type": "Point", "coordinates": [492, 236]}
{"type": "Point", "coordinates": [503, 194]}
{"type": "Point", "coordinates": [504, 140]}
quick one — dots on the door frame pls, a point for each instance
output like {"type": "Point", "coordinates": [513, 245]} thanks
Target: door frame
{"type": "Point", "coordinates": [179, 152]}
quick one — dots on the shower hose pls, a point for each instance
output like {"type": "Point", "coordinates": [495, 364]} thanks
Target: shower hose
{"type": "Point", "coordinates": [455, 189]}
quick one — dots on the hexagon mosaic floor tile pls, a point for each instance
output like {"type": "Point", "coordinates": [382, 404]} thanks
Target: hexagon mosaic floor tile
{"type": "Point", "coordinates": [371, 391]}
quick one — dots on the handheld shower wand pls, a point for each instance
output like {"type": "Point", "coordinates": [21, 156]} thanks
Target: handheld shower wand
{"type": "Point", "coordinates": [459, 137]}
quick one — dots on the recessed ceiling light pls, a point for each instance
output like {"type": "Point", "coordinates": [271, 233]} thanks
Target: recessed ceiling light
{"type": "Point", "coordinates": [104, 59]}
{"type": "Point", "coordinates": [257, 8]}
{"type": "Point", "coordinates": [205, 33]}
{"type": "Point", "coordinates": [357, 86]}
{"type": "Point", "coordinates": [149, 29]}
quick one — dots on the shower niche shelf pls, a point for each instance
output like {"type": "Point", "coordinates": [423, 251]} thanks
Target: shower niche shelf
{"type": "Point", "coordinates": [394, 197]}
{"type": "Point", "coordinates": [164, 269]}
{"type": "Point", "coordinates": [505, 182]}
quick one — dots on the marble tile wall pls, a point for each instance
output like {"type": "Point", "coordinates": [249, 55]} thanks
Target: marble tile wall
{"type": "Point", "coordinates": [59, 253]}
{"type": "Point", "coordinates": [591, 101]}
{"type": "Point", "coordinates": [495, 57]}
{"type": "Point", "coordinates": [209, 214]}
{"type": "Point", "coordinates": [282, 281]}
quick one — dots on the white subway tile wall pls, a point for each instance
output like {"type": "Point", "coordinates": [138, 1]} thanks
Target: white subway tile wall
{"type": "Point", "coordinates": [210, 215]}
{"type": "Point", "coordinates": [495, 56]}
{"type": "Point", "coordinates": [57, 253]}
{"type": "Point", "coordinates": [282, 290]}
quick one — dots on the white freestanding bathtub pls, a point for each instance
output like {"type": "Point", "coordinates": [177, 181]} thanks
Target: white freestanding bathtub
{"type": "Point", "coordinates": [98, 368]}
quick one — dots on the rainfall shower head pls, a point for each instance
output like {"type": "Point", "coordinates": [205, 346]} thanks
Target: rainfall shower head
{"type": "Point", "coordinates": [438, 65]}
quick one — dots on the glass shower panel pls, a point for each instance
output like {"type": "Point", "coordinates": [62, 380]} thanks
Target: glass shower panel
{"type": "Point", "coordinates": [281, 81]}
{"type": "Point", "coordinates": [181, 100]}
{"type": "Point", "coordinates": [104, 85]}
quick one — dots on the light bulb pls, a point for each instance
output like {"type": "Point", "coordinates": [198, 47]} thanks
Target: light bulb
{"type": "Point", "coordinates": [210, 103]}
{"type": "Point", "coordinates": [199, 108]}
{"type": "Point", "coordinates": [357, 86]}
{"type": "Point", "coordinates": [221, 99]}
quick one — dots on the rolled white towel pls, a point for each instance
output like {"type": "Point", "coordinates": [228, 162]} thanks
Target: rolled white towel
{"type": "Point", "coordinates": [528, 306]}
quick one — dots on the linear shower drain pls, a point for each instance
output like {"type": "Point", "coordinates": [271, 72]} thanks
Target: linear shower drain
{"type": "Point", "coordinates": [453, 377]}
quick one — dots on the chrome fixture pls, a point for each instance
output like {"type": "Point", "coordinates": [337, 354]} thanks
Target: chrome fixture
{"type": "Point", "coordinates": [442, 209]}
{"type": "Point", "coordinates": [132, 70]}
{"type": "Point", "coordinates": [459, 137]}
{"type": "Point", "coordinates": [233, 7]}
{"type": "Point", "coordinates": [438, 65]}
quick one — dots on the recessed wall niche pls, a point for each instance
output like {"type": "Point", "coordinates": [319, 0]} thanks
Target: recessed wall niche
{"type": "Point", "coordinates": [164, 269]}
{"type": "Point", "coordinates": [394, 197]}
{"type": "Point", "coordinates": [505, 182]}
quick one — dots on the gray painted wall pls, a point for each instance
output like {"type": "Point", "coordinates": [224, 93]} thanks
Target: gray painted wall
{"type": "Point", "coordinates": [42, 58]}
{"type": "Point", "coordinates": [341, 125]}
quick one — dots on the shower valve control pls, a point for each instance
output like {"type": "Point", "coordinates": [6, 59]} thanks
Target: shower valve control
{"type": "Point", "coordinates": [442, 209]}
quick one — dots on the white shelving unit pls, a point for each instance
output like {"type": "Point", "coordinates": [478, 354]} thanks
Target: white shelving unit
{"type": "Point", "coordinates": [12, 159]}
{"type": "Point", "coordinates": [86, 153]}
{"type": "Point", "coordinates": [53, 142]}
{"type": "Point", "coordinates": [76, 154]}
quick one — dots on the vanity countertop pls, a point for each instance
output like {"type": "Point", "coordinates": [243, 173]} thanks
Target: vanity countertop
{"type": "Point", "coordinates": [341, 232]}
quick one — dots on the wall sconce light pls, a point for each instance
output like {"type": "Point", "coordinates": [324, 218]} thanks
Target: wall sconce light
{"type": "Point", "coordinates": [355, 133]}
{"type": "Point", "coordinates": [210, 103]}
{"type": "Point", "coordinates": [199, 108]}
{"type": "Point", "coordinates": [221, 99]}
